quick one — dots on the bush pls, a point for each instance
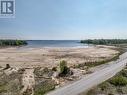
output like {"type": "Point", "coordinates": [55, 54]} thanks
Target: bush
{"type": "Point", "coordinates": [104, 85]}
{"type": "Point", "coordinates": [63, 67]}
{"type": "Point", "coordinates": [124, 73]}
{"type": "Point", "coordinates": [119, 81]}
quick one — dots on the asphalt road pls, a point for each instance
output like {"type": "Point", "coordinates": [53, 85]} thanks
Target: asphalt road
{"type": "Point", "coordinates": [93, 79]}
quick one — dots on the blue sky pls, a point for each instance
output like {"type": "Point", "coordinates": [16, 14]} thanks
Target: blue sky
{"type": "Point", "coordinates": [66, 19]}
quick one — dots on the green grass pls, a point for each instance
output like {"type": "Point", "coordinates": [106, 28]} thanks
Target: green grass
{"type": "Point", "coordinates": [119, 81]}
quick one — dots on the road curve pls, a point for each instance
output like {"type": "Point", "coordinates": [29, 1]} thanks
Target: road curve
{"type": "Point", "coordinates": [93, 79]}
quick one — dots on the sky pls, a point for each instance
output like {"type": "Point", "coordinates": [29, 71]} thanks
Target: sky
{"type": "Point", "coordinates": [66, 20]}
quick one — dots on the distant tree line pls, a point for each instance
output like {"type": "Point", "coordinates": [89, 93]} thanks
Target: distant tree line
{"type": "Point", "coordinates": [12, 42]}
{"type": "Point", "coordinates": [104, 41]}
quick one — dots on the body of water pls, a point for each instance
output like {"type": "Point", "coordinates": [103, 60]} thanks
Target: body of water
{"type": "Point", "coordinates": [54, 43]}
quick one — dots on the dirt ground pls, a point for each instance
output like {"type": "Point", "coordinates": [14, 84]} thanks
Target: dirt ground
{"type": "Point", "coordinates": [50, 57]}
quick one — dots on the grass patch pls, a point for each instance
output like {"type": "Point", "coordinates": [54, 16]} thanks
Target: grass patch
{"type": "Point", "coordinates": [44, 87]}
{"type": "Point", "coordinates": [3, 89]}
{"type": "Point", "coordinates": [10, 83]}
{"type": "Point", "coordinates": [119, 81]}
{"type": "Point", "coordinates": [92, 64]}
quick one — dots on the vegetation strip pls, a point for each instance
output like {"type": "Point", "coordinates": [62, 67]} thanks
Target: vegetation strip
{"type": "Point", "coordinates": [12, 43]}
{"type": "Point", "coordinates": [104, 41]}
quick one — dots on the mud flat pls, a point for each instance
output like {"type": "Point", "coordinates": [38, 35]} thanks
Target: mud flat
{"type": "Point", "coordinates": [50, 57]}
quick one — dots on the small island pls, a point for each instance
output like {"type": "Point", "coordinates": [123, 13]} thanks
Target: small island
{"type": "Point", "coordinates": [4, 43]}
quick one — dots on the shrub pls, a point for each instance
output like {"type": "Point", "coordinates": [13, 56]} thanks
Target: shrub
{"type": "Point", "coordinates": [104, 85]}
{"type": "Point", "coordinates": [54, 69]}
{"type": "Point", "coordinates": [124, 73]}
{"type": "Point", "coordinates": [63, 67]}
{"type": "Point", "coordinates": [44, 87]}
{"type": "Point", "coordinates": [42, 71]}
{"type": "Point", "coordinates": [45, 70]}
{"type": "Point", "coordinates": [119, 81]}
{"type": "Point", "coordinates": [7, 66]}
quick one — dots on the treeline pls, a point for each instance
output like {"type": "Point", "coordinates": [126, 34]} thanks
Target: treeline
{"type": "Point", "coordinates": [105, 41]}
{"type": "Point", "coordinates": [12, 42]}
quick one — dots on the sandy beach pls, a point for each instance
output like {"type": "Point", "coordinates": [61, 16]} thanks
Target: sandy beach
{"type": "Point", "coordinates": [50, 57]}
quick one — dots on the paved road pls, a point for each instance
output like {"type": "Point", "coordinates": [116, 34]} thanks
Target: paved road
{"type": "Point", "coordinates": [93, 79]}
